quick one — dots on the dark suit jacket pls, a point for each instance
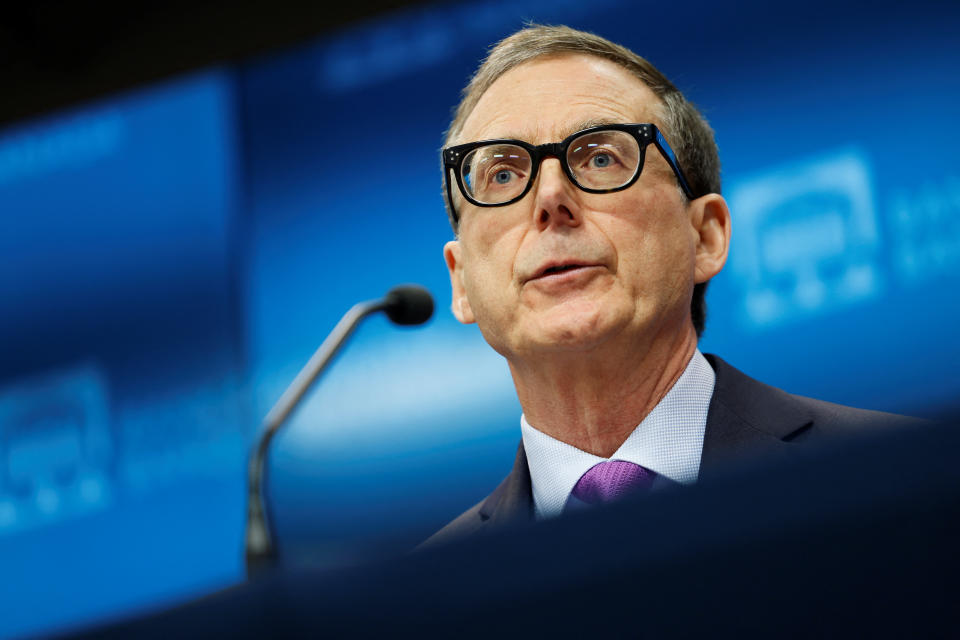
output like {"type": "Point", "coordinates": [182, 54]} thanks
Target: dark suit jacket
{"type": "Point", "coordinates": [745, 418]}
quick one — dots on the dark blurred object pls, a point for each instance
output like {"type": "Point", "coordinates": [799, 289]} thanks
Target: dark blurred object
{"type": "Point", "coordinates": [857, 539]}
{"type": "Point", "coordinates": [54, 53]}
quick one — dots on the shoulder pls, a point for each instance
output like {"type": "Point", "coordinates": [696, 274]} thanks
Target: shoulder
{"type": "Point", "coordinates": [765, 407]}
{"type": "Point", "coordinates": [749, 419]}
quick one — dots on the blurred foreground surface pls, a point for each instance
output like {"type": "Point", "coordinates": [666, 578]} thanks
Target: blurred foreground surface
{"type": "Point", "coordinates": [820, 544]}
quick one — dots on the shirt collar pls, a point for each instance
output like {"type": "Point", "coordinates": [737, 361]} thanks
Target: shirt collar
{"type": "Point", "coordinates": [669, 442]}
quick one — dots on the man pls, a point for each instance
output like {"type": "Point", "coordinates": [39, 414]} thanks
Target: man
{"type": "Point", "coordinates": [584, 192]}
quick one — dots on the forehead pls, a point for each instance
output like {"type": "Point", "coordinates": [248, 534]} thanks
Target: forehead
{"type": "Point", "coordinates": [548, 98]}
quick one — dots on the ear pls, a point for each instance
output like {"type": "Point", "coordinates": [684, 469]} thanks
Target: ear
{"type": "Point", "coordinates": [459, 304]}
{"type": "Point", "coordinates": [710, 218]}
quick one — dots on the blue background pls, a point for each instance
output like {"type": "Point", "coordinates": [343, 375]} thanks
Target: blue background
{"type": "Point", "coordinates": [172, 256]}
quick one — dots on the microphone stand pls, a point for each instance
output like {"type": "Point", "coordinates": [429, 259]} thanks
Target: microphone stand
{"type": "Point", "coordinates": [261, 552]}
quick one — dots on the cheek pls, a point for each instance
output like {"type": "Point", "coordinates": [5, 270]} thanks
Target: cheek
{"type": "Point", "coordinates": [488, 272]}
{"type": "Point", "coordinates": [652, 240]}
{"type": "Point", "coordinates": [491, 244]}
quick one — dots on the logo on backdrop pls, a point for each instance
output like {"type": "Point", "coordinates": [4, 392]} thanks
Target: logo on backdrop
{"type": "Point", "coordinates": [805, 239]}
{"type": "Point", "coordinates": [35, 151]}
{"type": "Point", "coordinates": [925, 230]}
{"type": "Point", "coordinates": [56, 449]}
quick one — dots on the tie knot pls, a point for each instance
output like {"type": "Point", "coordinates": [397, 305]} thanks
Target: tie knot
{"type": "Point", "coordinates": [611, 480]}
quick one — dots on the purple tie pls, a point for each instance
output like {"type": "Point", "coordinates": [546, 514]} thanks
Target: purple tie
{"type": "Point", "coordinates": [611, 480]}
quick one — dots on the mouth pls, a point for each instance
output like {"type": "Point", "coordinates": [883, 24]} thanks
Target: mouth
{"type": "Point", "coordinates": [558, 268]}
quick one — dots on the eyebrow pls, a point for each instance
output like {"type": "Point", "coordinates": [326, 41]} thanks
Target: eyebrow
{"type": "Point", "coordinates": [589, 124]}
{"type": "Point", "coordinates": [581, 125]}
{"type": "Point", "coordinates": [578, 126]}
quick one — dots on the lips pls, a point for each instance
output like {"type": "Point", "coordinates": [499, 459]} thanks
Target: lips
{"type": "Point", "coordinates": [556, 267]}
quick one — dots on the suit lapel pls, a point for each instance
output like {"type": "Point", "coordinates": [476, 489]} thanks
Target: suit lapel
{"type": "Point", "coordinates": [747, 418]}
{"type": "Point", "coordinates": [512, 501]}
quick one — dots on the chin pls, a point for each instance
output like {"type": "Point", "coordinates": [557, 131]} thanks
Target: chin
{"type": "Point", "coordinates": [574, 332]}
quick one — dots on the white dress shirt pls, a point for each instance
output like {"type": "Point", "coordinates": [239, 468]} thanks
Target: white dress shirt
{"type": "Point", "coordinates": [669, 442]}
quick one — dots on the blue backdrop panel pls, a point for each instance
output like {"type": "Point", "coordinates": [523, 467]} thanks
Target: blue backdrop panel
{"type": "Point", "coordinates": [121, 421]}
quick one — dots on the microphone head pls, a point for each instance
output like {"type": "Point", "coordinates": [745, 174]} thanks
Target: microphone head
{"type": "Point", "coordinates": [408, 304]}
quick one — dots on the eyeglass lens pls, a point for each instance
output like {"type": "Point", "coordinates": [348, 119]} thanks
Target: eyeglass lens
{"type": "Point", "coordinates": [496, 173]}
{"type": "Point", "coordinates": [601, 160]}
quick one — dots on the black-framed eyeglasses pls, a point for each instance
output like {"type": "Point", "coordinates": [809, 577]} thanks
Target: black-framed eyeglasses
{"type": "Point", "coordinates": [604, 159]}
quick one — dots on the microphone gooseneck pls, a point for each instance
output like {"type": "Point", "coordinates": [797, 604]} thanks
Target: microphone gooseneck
{"type": "Point", "coordinates": [404, 305]}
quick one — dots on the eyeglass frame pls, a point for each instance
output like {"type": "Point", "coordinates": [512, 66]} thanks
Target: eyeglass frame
{"type": "Point", "coordinates": [643, 133]}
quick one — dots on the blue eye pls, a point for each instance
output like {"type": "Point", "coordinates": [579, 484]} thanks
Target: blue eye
{"type": "Point", "coordinates": [602, 160]}
{"type": "Point", "coordinates": [503, 176]}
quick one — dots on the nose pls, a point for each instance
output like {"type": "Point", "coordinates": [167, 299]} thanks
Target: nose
{"type": "Point", "coordinates": [555, 202]}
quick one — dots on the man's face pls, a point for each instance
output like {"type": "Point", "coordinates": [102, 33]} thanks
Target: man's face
{"type": "Point", "coordinates": [562, 269]}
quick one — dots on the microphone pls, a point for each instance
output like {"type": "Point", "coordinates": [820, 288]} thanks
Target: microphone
{"type": "Point", "coordinates": [404, 305]}
{"type": "Point", "coordinates": [408, 305]}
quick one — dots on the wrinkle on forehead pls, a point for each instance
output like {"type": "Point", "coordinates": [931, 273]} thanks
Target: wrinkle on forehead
{"type": "Point", "coordinates": [549, 98]}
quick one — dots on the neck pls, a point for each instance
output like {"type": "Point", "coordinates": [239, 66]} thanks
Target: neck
{"type": "Point", "coordinates": [594, 400]}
